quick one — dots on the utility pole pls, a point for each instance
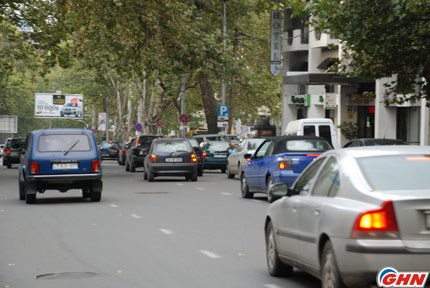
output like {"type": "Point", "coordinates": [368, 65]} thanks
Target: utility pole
{"type": "Point", "coordinates": [224, 30]}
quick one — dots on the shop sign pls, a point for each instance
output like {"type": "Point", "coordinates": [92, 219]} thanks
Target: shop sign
{"type": "Point", "coordinates": [275, 42]}
{"type": "Point", "coordinates": [330, 100]}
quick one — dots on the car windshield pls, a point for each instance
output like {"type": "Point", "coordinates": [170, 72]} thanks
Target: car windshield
{"type": "Point", "coordinates": [172, 146]}
{"type": "Point", "coordinates": [17, 143]}
{"type": "Point", "coordinates": [308, 145]}
{"type": "Point", "coordinates": [194, 142]}
{"type": "Point", "coordinates": [254, 143]}
{"type": "Point", "coordinates": [405, 172]}
{"type": "Point", "coordinates": [63, 142]}
{"type": "Point", "coordinates": [219, 146]}
{"type": "Point", "coordinates": [145, 140]}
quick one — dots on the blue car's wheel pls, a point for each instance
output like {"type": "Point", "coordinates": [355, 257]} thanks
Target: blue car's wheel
{"type": "Point", "coordinates": [244, 188]}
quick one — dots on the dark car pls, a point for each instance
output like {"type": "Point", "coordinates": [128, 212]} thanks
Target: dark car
{"type": "Point", "coordinates": [279, 160]}
{"type": "Point", "coordinates": [216, 154]}
{"type": "Point", "coordinates": [114, 149]}
{"type": "Point", "coordinates": [122, 153]}
{"type": "Point", "coordinates": [171, 157]}
{"type": "Point", "coordinates": [12, 151]}
{"type": "Point", "coordinates": [200, 155]}
{"type": "Point", "coordinates": [60, 159]}
{"type": "Point", "coordinates": [137, 151]}
{"type": "Point", "coordinates": [105, 149]}
{"type": "Point", "coordinates": [373, 142]}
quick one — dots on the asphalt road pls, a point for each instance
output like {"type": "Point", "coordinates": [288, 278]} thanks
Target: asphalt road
{"type": "Point", "coordinates": [170, 233]}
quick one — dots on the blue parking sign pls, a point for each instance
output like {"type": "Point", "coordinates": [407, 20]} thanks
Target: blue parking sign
{"type": "Point", "coordinates": [223, 110]}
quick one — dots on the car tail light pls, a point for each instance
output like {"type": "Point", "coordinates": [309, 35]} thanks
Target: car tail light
{"type": "Point", "coordinates": [7, 150]}
{"type": "Point", "coordinates": [34, 168]}
{"type": "Point", "coordinates": [153, 158]}
{"type": "Point", "coordinates": [204, 154]}
{"type": "Point", "coordinates": [285, 163]}
{"type": "Point", "coordinates": [95, 166]}
{"type": "Point", "coordinates": [119, 150]}
{"type": "Point", "coordinates": [379, 223]}
{"type": "Point", "coordinates": [312, 155]}
{"type": "Point", "coordinates": [193, 157]}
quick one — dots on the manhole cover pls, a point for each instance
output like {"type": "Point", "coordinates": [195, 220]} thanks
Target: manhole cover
{"type": "Point", "coordinates": [152, 192]}
{"type": "Point", "coordinates": [66, 275]}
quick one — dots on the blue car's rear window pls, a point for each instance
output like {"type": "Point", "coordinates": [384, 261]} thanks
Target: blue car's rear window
{"type": "Point", "coordinates": [63, 143]}
{"type": "Point", "coordinates": [307, 145]}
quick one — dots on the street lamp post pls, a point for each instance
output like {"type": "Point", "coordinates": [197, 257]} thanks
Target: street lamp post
{"type": "Point", "coordinates": [224, 29]}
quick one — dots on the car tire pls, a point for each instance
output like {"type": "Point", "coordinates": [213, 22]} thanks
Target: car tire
{"type": "Point", "coordinates": [270, 199]}
{"type": "Point", "coordinates": [244, 188]}
{"type": "Point", "coordinates": [223, 170]}
{"type": "Point", "coordinates": [200, 173]}
{"type": "Point", "coordinates": [194, 176]}
{"type": "Point", "coordinates": [21, 191]}
{"type": "Point", "coordinates": [132, 167]}
{"type": "Point", "coordinates": [9, 165]}
{"type": "Point", "coordinates": [229, 175]}
{"type": "Point", "coordinates": [145, 176]}
{"type": "Point", "coordinates": [127, 168]}
{"type": "Point", "coordinates": [96, 195]}
{"type": "Point", "coordinates": [86, 193]}
{"type": "Point", "coordinates": [330, 275]}
{"type": "Point", "coordinates": [275, 266]}
{"type": "Point", "coordinates": [30, 198]}
{"type": "Point", "coordinates": [150, 176]}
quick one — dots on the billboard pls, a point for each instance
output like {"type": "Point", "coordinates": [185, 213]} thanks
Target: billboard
{"type": "Point", "coordinates": [102, 121]}
{"type": "Point", "coordinates": [8, 124]}
{"type": "Point", "coordinates": [47, 105]}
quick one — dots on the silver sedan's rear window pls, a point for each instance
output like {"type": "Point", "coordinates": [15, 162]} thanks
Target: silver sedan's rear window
{"type": "Point", "coordinates": [63, 143]}
{"type": "Point", "coordinates": [396, 172]}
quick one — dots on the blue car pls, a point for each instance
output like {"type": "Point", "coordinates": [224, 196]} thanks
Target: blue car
{"type": "Point", "coordinates": [60, 159]}
{"type": "Point", "coordinates": [279, 160]}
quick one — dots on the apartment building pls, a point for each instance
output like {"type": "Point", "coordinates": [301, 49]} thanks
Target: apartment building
{"type": "Point", "coordinates": [311, 90]}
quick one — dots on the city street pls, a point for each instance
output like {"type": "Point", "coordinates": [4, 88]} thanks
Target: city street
{"type": "Point", "coordinates": [170, 233]}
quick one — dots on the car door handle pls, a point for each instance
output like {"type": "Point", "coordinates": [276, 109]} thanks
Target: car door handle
{"type": "Point", "coordinates": [317, 211]}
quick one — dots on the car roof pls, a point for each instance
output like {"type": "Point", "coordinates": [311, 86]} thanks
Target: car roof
{"type": "Point", "coordinates": [369, 151]}
{"type": "Point", "coordinates": [63, 131]}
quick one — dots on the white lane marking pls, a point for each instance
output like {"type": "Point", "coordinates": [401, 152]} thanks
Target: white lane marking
{"type": "Point", "coordinates": [209, 254]}
{"type": "Point", "coordinates": [271, 286]}
{"type": "Point", "coordinates": [179, 184]}
{"type": "Point", "coordinates": [166, 231]}
{"type": "Point", "coordinates": [257, 201]}
{"type": "Point", "coordinates": [113, 205]}
{"type": "Point", "coordinates": [200, 188]}
{"type": "Point", "coordinates": [226, 194]}
{"type": "Point", "coordinates": [136, 216]}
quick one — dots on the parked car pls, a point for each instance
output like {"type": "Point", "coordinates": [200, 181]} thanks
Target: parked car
{"type": "Point", "coordinates": [320, 127]}
{"type": "Point", "coordinates": [113, 150]}
{"type": "Point", "coordinates": [137, 151]}
{"type": "Point", "coordinates": [351, 213]}
{"type": "Point", "coordinates": [236, 160]}
{"type": "Point", "coordinates": [1, 150]}
{"type": "Point", "coordinates": [216, 154]}
{"type": "Point", "coordinates": [12, 151]}
{"type": "Point", "coordinates": [122, 153]}
{"type": "Point", "coordinates": [171, 157]}
{"type": "Point", "coordinates": [205, 138]}
{"type": "Point", "coordinates": [279, 160]}
{"type": "Point", "coordinates": [60, 159]}
{"type": "Point", "coordinates": [373, 142]}
{"type": "Point", "coordinates": [200, 155]}
{"type": "Point", "coordinates": [104, 148]}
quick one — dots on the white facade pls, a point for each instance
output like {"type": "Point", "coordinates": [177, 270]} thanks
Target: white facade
{"type": "Point", "coordinates": [307, 83]}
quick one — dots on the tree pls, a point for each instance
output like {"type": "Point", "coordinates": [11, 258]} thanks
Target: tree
{"type": "Point", "coordinates": [382, 38]}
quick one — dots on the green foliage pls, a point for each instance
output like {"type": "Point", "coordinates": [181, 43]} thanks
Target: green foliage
{"type": "Point", "coordinates": [349, 130]}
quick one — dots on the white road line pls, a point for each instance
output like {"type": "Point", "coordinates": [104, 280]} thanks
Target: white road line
{"type": "Point", "coordinates": [226, 194]}
{"type": "Point", "coordinates": [166, 231]}
{"type": "Point", "coordinates": [209, 254]}
{"type": "Point", "coordinates": [179, 184]}
{"type": "Point", "coordinates": [271, 286]}
{"type": "Point", "coordinates": [200, 188]}
{"type": "Point", "coordinates": [136, 216]}
{"type": "Point", "coordinates": [257, 201]}
{"type": "Point", "coordinates": [113, 205]}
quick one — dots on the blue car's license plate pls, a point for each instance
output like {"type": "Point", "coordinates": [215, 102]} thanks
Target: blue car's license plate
{"type": "Point", "coordinates": [61, 166]}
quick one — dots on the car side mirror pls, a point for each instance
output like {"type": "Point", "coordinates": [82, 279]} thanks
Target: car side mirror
{"type": "Point", "coordinates": [23, 151]}
{"type": "Point", "coordinates": [248, 156]}
{"type": "Point", "coordinates": [278, 190]}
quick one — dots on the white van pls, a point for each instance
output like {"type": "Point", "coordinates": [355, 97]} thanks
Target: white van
{"type": "Point", "coordinates": [321, 127]}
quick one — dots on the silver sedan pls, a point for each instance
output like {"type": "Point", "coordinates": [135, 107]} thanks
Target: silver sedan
{"type": "Point", "coordinates": [236, 159]}
{"type": "Point", "coordinates": [351, 213]}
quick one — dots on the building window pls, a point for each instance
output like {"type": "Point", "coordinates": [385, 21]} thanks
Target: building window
{"type": "Point", "coordinates": [305, 34]}
{"type": "Point", "coordinates": [290, 36]}
{"type": "Point", "coordinates": [330, 89]}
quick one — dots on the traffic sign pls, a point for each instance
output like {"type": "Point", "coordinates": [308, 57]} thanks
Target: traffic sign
{"type": "Point", "coordinates": [74, 101]}
{"type": "Point", "coordinates": [222, 124]}
{"type": "Point", "coordinates": [222, 118]}
{"type": "Point", "coordinates": [183, 118]}
{"type": "Point", "coordinates": [160, 123]}
{"type": "Point", "coordinates": [223, 110]}
{"type": "Point", "coordinates": [138, 127]}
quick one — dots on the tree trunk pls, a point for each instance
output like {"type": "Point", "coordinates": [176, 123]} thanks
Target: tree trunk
{"type": "Point", "coordinates": [209, 103]}
{"type": "Point", "coordinates": [130, 109]}
{"type": "Point", "coordinates": [233, 79]}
